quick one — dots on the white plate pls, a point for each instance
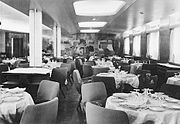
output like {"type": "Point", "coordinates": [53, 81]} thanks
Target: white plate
{"type": "Point", "coordinates": [156, 108]}
{"type": "Point", "coordinates": [176, 106]}
{"type": "Point", "coordinates": [121, 95]}
{"type": "Point", "coordinates": [172, 106]}
{"type": "Point", "coordinates": [11, 99]}
{"type": "Point", "coordinates": [117, 100]}
{"type": "Point", "coordinates": [18, 95]}
{"type": "Point", "coordinates": [168, 99]}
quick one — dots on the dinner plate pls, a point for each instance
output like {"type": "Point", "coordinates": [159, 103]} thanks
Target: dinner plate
{"type": "Point", "coordinates": [156, 108]}
{"type": "Point", "coordinates": [11, 99]}
{"type": "Point", "coordinates": [159, 93]}
{"type": "Point", "coordinates": [117, 100]}
{"type": "Point", "coordinates": [121, 95]}
{"type": "Point", "coordinates": [18, 94]}
{"type": "Point", "coordinates": [172, 106]}
{"type": "Point", "coordinates": [168, 99]}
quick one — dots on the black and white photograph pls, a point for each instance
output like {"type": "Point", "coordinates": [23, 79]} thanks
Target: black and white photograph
{"type": "Point", "coordinates": [89, 61]}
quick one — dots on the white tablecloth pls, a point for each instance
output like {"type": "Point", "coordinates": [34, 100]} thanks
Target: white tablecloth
{"type": "Point", "coordinates": [140, 116]}
{"type": "Point", "coordinates": [134, 67]}
{"type": "Point", "coordinates": [173, 80]}
{"type": "Point", "coordinates": [29, 71]}
{"type": "Point", "coordinates": [122, 79]}
{"type": "Point", "coordinates": [9, 109]}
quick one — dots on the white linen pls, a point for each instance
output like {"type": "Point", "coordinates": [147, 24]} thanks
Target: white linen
{"type": "Point", "coordinates": [173, 80]}
{"type": "Point", "coordinates": [29, 71]}
{"type": "Point", "coordinates": [138, 115]}
{"type": "Point", "coordinates": [134, 67]}
{"type": "Point", "coordinates": [122, 78]}
{"type": "Point", "coordinates": [9, 109]}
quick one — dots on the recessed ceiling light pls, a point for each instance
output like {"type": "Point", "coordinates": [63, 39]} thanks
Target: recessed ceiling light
{"type": "Point", "coordinates": [94, 19]}
{"type": "Point", "coordinates": [92, 24]}
{"type": "Point", "coordinates": [89, 30]}
{"type": "Point", "coordinates": [98, 7]}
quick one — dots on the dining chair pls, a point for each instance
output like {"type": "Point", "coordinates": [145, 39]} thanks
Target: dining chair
{"type": "Point", "coordinates": [43, 113]}
{"type": "Point", "coordinates": [125, 67]}
{"type": "Point", "coordinates": [59, 75]}
{"type": "Point", "coordinates": [171, 90]}
{"type": "Point", "coordinates": [47, 91]}
{"type": "Point", "coordinates": [91, 63]}
{"type": "Point", "coordinates": [78, 66]}
{"type": "Point", "coordinates": [77, 83]}
{"type": "Point", "coordinates": [99, 115]}
{"type": "Point", "coordinates": [109, 82]}
{"type": "Point", "coordinates": [94, 91]}
{"type": "Point", "coordinates": [87, 71]}
{"type": "Point", "coordinates": [3, 67]}
{"type": "Point", "coordinates": [69, 71]}
{"type": "Point", "coordinates": [100, 70]}
{"type": "Point", "coordinates": [150, 81]}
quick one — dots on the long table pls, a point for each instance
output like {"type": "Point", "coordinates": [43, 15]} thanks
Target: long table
{"type": "Point", "coordinates": [27, 75]}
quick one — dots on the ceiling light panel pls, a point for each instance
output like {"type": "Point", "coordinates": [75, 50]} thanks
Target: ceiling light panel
{"type": "Point", "coordinates": [98, 7]}
{"type": "Point", "coordinates": [89, 31]}
{"type": "Point", "coordinates": [92, 24]}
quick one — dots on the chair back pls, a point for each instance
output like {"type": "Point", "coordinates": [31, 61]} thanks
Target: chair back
{"type": "Point", "coordinates": [151, 81]}
{"type": "Point", "coordinates": [66, 65]}
{"type": "Point", "coordinates": [100, 70]}
{"type": "Point", "coordinates": [93, 91]}
{"type": "Point", "coordinates": [109, 83]}
{"type": "Point", "coordinates": [91, 63]}
{"type": "Point", "coordinates": [78, 66]}
{"type": "Point", "coordinates": [87, 70]}
{"type": "Point", "coordinates": [47, 91]}
{"type": "Point", "coordinates": [171, 90]}
{"type": "Point", "coordinates": [43, 113]}
{"type": "Point", "coordinates": [59, 74]}
{"type": "Point", "coordinates": [99, 115]}
{"type": "Point", "coordinates": [3, 67]}
{"type": "Point", "coordinates": [77, 80]}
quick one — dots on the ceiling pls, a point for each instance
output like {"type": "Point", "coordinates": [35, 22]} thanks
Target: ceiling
{"type": "Point", "coordinates": [134, 13]}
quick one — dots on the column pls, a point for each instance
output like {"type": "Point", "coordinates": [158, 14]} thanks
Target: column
{"type": "Point", "coordinates": [54, 40]}
{"type": "Point", "coordinates": [35, 23]}
{"type": "Point", "coordinates": [58, 41]}
{"type": "Point", "coordinates": [2, 41]}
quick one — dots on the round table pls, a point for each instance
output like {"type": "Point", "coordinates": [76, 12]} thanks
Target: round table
{"type": "Point", "coordinates": [138, 115]}
{"type": "Point", "coordinates": [13, 106]}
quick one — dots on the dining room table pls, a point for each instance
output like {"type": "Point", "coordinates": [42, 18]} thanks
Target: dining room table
{"type": "Point", "coordinates": [13, 103]}
{"type": "Point", "coordinates": [122, 77]}
{"type": "Point", "coordinates": [146, 107]}
{"type": "Point", "coordinates": [175, 80]}
{"type": "Point", "coordinates": [134, 67]}
{"type": "Point", "coordinates": [27, 75]}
